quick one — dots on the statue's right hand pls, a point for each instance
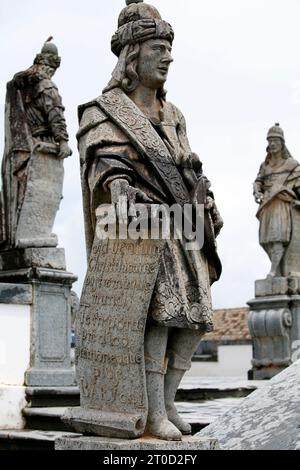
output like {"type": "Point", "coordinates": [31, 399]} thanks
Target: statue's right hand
{"type": "Point", "coordinates": [64, 150]}
{"type": "Point", "coordinates": [124, 195]}
{"type": "Point", "coordinates": [259, 197]}
{"type": "Point", "coordinates": [121, 188]}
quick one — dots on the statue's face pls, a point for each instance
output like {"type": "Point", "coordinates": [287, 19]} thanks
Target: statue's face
{"type": "Point", "coordinates": [49, 71]}
{"type": "Point", "coordinates": [52, 71]}
{"type": "Point", "coordinates": [275, 144]}
{"type": "Point", "coordinates": [154, 62]}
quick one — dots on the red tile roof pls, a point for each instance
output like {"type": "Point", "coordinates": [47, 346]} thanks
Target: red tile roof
{"type": "Point", "coordinates": [230, 325]}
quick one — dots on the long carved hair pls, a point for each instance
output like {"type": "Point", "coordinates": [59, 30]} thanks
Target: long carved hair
{"type": "Point", "coordinates": [284, 152]}
{"type": "Point", "coordinates": [125, 75]}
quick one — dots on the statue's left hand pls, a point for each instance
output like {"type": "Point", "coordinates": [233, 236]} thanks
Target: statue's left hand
{"type": "Point", "coordinates": [64, 150]}
{"type": "Point", "coordinates": [296, 205]}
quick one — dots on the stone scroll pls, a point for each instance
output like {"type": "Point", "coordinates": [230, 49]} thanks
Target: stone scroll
{"type": "Point", "coordinates": [42, 198]}
{"type": "Point", "coordinates": [110, 330]}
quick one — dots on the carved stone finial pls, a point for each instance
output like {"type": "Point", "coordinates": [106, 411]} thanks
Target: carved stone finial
{"type": "Point", "coordinates": [129, 2]}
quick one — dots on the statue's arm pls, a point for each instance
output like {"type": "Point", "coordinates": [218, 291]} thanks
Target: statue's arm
{"type": "Point", "coordinates": [51, 103]}
{"type": "Point", "coordinates": [258, 186]}
{"type": "Point", "coordinates": [116, 176]}
{"type": "Point", "coordinates": [197, 183]}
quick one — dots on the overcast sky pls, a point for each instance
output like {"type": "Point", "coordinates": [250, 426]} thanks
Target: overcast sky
{"type": "Point", "coordinates": [236, 72]}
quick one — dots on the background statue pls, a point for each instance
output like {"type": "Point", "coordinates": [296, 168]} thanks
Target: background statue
{"type": "Point", "coordinates": [277, 191]}
{"type": "Point", "coordinates": [36, 142]}
{"type": "Point", "coordinates": [133, 143]}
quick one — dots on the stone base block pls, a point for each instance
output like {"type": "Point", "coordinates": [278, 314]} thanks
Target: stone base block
{"type": "Point", "coordinates": [15, 320]}
{"type": "Point", "coordinates": [37, 317]}
{"type": "Point", "coordinates": [50, 378]}
{"type": "Point", "coordinates": [264, 373]}
{"type": "Point", "coordinates": [144, 443]}
{"type": "Point", "coordinates": [12, 402]}
{"type": "Point", "coordinates": [271, 286]}
{"type": "Point", "coordinates": [277, 286]}
{"type": "Point", "coordinates": [51, 258]}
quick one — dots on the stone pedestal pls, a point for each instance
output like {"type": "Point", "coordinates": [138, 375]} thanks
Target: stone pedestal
{"type": "Point", "coordinates": [274, 323]}
{"type": "Point", "coordinates": [145, 443]}
{"type": "Point", "coordinates": [36, 279]}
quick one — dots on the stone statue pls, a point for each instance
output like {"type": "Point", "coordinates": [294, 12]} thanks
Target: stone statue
{"type": "Point", "coordinates": [277, 191]}
{"type": "Point", "coordinates": [36, 142]}
{"type": "Point", "coordinates": [133, 143]}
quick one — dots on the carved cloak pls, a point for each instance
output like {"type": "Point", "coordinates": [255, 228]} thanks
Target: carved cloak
{"type": "Point", "coordinates": [110, 149]}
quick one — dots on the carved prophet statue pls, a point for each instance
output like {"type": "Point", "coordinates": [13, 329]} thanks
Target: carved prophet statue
{"type": "Point", "coordinates": [36, 142]}
{"type": "Point", "coordinates": [277, 191]}
{"type": "Point", "coordinates": [145, 304]}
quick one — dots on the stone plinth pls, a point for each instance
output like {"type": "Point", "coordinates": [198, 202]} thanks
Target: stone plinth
{"type": "Point", "coordinates": [12, 402]}
{"type": "Point", "coordinates": [145, 443]}
{"type": "Point", "coordinates": [274, 323]}
{"type": "Point", "coordinates": [51, 258]}
{"type": "Point", "coordinates": [28, 282]}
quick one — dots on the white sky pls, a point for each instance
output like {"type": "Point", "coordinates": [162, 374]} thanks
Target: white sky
{"type": "Point", "coordinates": [236, 72]}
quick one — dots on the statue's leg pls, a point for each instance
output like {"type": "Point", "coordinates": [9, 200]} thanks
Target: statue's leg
{"type": "Point", "coordinates": [181, 348]}
{"type": "Point", "coordinates": [277, 251]}
{"type": "Point", "coordinates": [158, 425]}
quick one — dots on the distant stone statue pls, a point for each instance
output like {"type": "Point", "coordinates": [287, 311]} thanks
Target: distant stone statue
{"type": "Point", "coordinates": [36, 142]}
{"type": "Point", "coordinates": [277, 191]}
{"type": "Point", "coordinates": [144, 306]}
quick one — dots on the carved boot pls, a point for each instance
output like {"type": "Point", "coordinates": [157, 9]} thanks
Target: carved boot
{"type": "Point", "coordinates": [182, 345]}
{"type": "Point", "coordinates": [172, 380]}
{"type": "Point", "coordinates": [276, 255]}
{"type": "Point", "coordinates": [158, 424]}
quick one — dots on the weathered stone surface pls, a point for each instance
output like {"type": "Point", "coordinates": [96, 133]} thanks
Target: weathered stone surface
{"type": "Point", "coordinates": [35, 435]}
{"type": "Point", "coordinates": [291, 259]}
{"type": "Point", "coordinates": [268, 419]}
{"type": "Point", "coordinates": [274, 316]}
{"type": "Point", "coordinates": [36, 143]}
{"type": "Point", "coordinates": [277, 286]}
{"type": "Point", "coordinates": [145, 443]}
{"type": "Point", "coordinates": [51, 258]}
{"type": "Point", "coordinates": [12, 402]}
{"type": "Point", "coordinates": [19, 294]}
{"type": "Point", "coordinates": [271, 286]}
{"type": "Point", "coordinates": [274, 323]}
{"type": "Point", "coordinates": [110, 328]}
{"type": "Point", "coordinates": [50, 363]}
{"type": "Point", "coordinates": [42, 199]}
{"type": "Point", "coordinates": [134, 390]}
{"type": "Point", "coordinates": [276, 190]}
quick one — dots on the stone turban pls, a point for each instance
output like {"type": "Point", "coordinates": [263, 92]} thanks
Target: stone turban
{"type": "Point", "coordinates": [139, 22]}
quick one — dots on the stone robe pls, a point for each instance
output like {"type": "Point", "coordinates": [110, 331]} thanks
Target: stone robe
{"type": "Point", "coordinates": [280, 187]}
{"type": "Point", "coordinates": [181, 295]}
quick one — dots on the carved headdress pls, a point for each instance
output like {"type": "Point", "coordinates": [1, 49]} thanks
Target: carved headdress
{"type": "Point", "coordinates": [138, 22]}
{"type": "Point", "coordinates": [276, 131]}
{"type": "Point", "coordinates": [48, 55]}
